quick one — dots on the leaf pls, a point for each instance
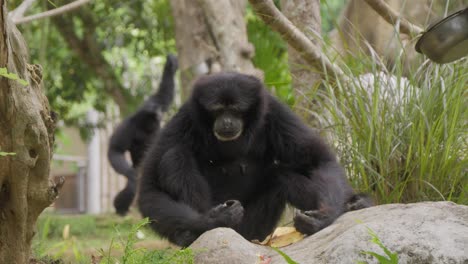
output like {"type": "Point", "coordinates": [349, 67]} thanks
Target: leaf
{"type": "Point", "coordinates": [284, 236]}
{"type": "Point", "coordinates": [4, 154]}
{"type": "Point", "coordinates": [281, 237]}
{"type": "Point", "coordinates": [23, 82]}
{"type": "Point", "coordinates": [12, 76]}
{"type": "Point", "coordinates": [393, 257]}
{"type": "Point", "coordinates": [286, 257]}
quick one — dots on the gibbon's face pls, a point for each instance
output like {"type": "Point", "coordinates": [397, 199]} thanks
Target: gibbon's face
{"type": "Point", "coordinates": [226, 100]}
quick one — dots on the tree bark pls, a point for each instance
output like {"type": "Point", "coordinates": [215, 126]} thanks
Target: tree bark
{"type": "Point", "coordinates": [229, 34]}
{"type": "Point", "coordinates": [215, 41]}
{"type": "Point", "coordinates": [305, 15]}
{"type": "Point", "coordinates": [26, 129]}
{"type": "Point", "coordinates": [268, 12]}
{"type": "Point", "coordinates": [194, 44]}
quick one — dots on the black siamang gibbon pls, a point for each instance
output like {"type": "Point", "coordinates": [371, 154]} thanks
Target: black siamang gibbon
{"type": "Point", "coordinates": [135, 132]}
{"type": "Point", "coordinates": [233, 156]}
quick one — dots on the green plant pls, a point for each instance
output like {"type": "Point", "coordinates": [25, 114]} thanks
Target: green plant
{"type": "Point", "coordinates": [390, 258]}
{"type": "Point", "coordinates": [140, 255]}
{"type": "Point", "coordinates": [39, 245]}
{"type": "Point", "coordinates": [52, 225]}
{"type": "Point", "coordinates": [75, 238]}
{"type": "Point", "coordinates": [45, 250]}
{"type": "Point", "coordinates": [287, 258]}
{"type": "Point", "coordinates": [67, 244]}
{"type": "Point", "coordinates": [4, 72]}
{"type": "Point", "coordinates": [329, 11]}
{"type": "Point", "coordinates": [4, 154]}
{"type": "Point", "coordinates": [404, 142]}
{"type": "Point", "coordinates": [183, 256]}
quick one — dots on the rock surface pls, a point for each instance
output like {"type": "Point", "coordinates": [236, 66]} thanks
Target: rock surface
{"type": "Point", "coordinates": [428, 232]}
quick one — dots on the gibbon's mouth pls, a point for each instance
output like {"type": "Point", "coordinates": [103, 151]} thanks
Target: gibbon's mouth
{"type": "Point", "coordinates": [227, 136]}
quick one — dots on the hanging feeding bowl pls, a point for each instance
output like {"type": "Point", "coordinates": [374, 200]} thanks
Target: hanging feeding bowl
{"type": "Point", "coordinates": [447, 40]}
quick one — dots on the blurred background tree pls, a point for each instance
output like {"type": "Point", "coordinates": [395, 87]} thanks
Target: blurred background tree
{"type": "Point", "coordinates": [105, 52]}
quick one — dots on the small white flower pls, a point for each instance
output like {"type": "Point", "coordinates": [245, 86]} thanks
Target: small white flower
{"type": "Point", "coordinates": [140, 235]}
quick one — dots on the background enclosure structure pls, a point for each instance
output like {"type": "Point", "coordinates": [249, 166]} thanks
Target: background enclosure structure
{"type": "Point", "coordinates": [72, 163]}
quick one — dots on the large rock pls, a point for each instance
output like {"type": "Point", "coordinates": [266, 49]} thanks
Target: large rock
{"type": "Point", "coordinates": [429, 232]}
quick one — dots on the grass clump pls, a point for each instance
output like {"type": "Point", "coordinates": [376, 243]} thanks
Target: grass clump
{"type": "Point", "coordinates": [102, 239]}
{"type": "Point", "coordinates": [406, 143]}
{"type": "Point", "coordinates": [52, 226]}
{"type": "Point", "coordinates": [132, 255]}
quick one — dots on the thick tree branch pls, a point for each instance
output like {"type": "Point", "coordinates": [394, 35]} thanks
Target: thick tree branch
{"type": "Point", "coordinates": [394, 18]}
{"type": "Point", "coordinates": [54, 12]}
{"type": "Point", "coordinates": [268, 12]}
{"type": "Point", "coordinates": [21, 9]}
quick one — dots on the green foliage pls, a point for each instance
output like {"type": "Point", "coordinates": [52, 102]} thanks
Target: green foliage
{"type": "Point", "coordinates": [71, 238]}
{"type": "Point", "coordinates": [52, 226]}
{"type": "Point", "coordinates": [4, 154]}
{"type": "Point", "coordinates": [131, 34]}
{"type": "Point", "coordinates": [40, 249]}
{"type": "Point", "coordinates": [287, 258]}
{"type": "Point", "coordinates": [141, 255]}
{"type": "Point", "coordinates": [126, 243]}
{"type": "Point", "coordinates": [329, 11]}
{"type": "Point", "coordinates": [4, 72]}
{"type": "Point", "coordinates": [407, 147]}
{"type": "Point", "coordinates": [390, 258]}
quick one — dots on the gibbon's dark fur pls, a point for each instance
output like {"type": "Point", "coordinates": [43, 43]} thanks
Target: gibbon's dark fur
{"type": "Point", "coordinates": [199, 175]}
{"type": "Point", "coordinates": [135, 132]}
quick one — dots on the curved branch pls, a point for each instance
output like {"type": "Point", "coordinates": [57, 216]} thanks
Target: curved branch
{"type": "Point", "coordinates": [21, 9]}
{"type": "Point", "coordinates": [268, 12]}
{"type": "Point", "coordinates": [392, 17]}
{"type": "Point", "coordinates": [53, 12]}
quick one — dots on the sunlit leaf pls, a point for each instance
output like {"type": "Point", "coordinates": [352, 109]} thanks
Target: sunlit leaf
{"type": "Point", "coordinates": [4, 154]}
{"type": "Point", "coordinates": [12, 76]}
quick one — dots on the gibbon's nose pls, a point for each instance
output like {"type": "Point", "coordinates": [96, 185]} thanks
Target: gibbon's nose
{"type": "Point", "coordinates": [227, 123]}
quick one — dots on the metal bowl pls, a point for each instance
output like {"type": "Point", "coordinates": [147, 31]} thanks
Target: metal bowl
{"type": "Point", "coordinates": [447, 40]}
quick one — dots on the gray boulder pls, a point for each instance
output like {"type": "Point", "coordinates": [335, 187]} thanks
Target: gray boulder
{"type": "Point", "coordinates": [428, 232]}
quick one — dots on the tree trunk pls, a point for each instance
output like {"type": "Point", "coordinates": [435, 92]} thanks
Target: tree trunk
{"type": "Point", "coordinates": [229, 34]}
{"type": "Point", "coordinates": [305, 15]}
{"type": "Point", "coordinates": [194, 44]}
{"type": "Point", "coordinates": [216, 40]}
{"type": "Point", "coordinates": [26, 129]}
